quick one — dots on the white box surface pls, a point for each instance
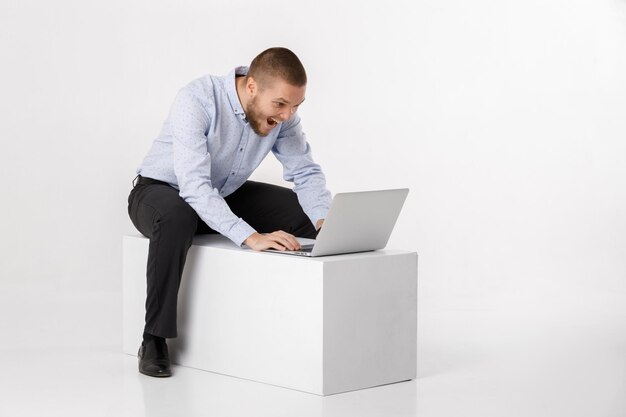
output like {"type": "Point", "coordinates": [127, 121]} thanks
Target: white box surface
{"type": "Point", "coordinates": [321, 325]}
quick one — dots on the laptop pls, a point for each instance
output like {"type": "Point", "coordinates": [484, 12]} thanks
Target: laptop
{"type": "Point", "coordinates": [357, 222]}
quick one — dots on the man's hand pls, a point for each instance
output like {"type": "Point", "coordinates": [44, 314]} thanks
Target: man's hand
{"type": "Point", "coordinates": [276, 240]}
{"type": "Point", "coordinates": [319, 224]}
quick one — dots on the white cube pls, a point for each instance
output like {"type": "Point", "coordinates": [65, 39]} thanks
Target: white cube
{"type": "Point", "coordinates": [321, 325]}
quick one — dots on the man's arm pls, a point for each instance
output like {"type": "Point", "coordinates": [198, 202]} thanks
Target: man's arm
{"type": "Point", "coordinates": [294, 153]}
{"type": "Point", "coordinates": [188, 121]}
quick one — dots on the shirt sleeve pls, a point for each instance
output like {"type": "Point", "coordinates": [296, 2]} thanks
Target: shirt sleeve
{"type": "Point", "coordinates": [294, 153]}
{"type": "Point", "coordinates": [189, 121]}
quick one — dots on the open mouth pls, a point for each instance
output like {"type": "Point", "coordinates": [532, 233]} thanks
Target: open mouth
{"type": "Point", "coordinates": [272, 122]}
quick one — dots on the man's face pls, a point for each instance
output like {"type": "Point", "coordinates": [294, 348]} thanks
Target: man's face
{"type": "Point", "coordinates": [271, 104]}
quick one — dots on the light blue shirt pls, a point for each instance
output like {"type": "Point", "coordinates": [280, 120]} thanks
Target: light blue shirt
{"type": "Point", "coordinates": [207, 149]}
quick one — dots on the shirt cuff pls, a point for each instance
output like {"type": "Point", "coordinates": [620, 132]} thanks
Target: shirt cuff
{"type": "Point", "coordinates": [240, 232]}
{"type": "Point", "coordinates": [317, 214]}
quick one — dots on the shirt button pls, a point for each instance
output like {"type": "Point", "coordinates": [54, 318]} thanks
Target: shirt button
{"type": "Point", "coordinates": [240, 149]}
{"type": "Point", "coordinates": [232, 173]}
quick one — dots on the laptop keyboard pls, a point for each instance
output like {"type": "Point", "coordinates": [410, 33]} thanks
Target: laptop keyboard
{"type": "Point", "coordinates": [306, 248]}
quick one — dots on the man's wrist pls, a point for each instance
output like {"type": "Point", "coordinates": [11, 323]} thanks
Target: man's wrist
{"type": "Point", "coordinates": [251, 239]}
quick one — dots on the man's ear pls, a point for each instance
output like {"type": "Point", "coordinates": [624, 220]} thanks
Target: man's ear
{"type": "Point", "coordinates": [251, 86]}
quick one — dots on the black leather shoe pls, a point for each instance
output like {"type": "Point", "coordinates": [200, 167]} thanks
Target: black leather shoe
{"type": "Point", "coordinates": [154, 359]}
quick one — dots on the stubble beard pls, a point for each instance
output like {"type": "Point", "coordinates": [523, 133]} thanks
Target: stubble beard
{"type": "Point", "coordinates": [254, 118]}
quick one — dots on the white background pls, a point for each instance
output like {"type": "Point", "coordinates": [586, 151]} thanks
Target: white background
{"type": "Point", "coordinates": [506, 119]}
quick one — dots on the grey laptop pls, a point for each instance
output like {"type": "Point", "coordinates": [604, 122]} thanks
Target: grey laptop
{"type": "Point", "coordinates": [357, 222]}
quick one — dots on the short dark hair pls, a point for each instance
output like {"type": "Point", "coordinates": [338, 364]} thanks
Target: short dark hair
{"type": "Point", "coordinates": [277, 63]}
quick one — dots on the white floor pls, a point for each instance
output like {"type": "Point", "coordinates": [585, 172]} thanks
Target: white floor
{"type": "Point", "coordinates": [62, 356]}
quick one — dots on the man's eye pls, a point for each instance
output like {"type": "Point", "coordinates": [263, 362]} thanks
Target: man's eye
{"type": "Point", "coordinates": [277, 104]}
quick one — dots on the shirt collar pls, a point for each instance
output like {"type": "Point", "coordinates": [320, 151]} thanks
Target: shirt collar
{"type": "Point", "coordinates": [231, 90]}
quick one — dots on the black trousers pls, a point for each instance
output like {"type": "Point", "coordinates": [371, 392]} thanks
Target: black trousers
{"type": "Point", "coordinates": [160, 214]}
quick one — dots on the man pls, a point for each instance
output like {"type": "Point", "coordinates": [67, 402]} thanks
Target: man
{"type": "Point", "coordinates": [194, 180]}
